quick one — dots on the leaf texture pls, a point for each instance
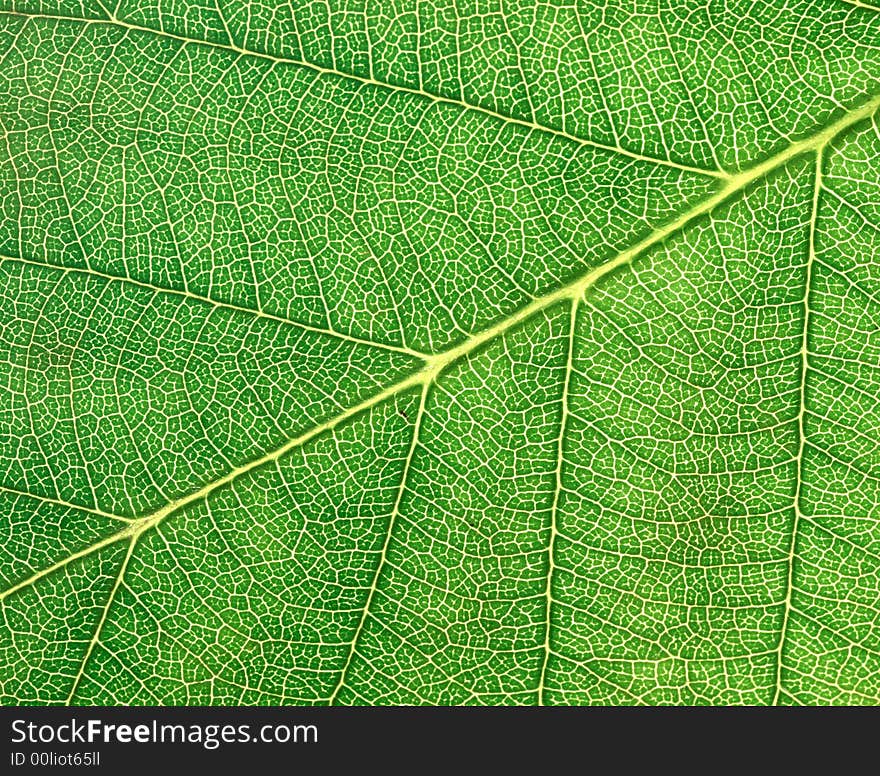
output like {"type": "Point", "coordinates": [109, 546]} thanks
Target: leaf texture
{"type": "Point", "coordinates": [439, 353]}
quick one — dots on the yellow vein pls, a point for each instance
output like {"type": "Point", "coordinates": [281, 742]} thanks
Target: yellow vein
{"type": "Point", "coordinates": [96, 635]}
{"type": "Point", "coordinates": [152, 520]}
{"type": "Point", "coordinates": [557, 495]}
{"type": "Point", "coordinates": [87, 271]}
{"type": "Point", "coordinates": [138, 526]}
{"type": "Point", "coordinates": [125, 533]}
{"type": "Point", "coordinates": [383, 556]}
{"type": "Point", "coordinates": [459, 103]}
{"type": "Point", "coordinates": [435, 364]}
{"type": "Point", "coordinates": [62, 503]}
{"type": "Point", "coordinates": [734, 185]}
{"type": "Point", "coordinates": [860, 4]}
{"type": "Point", "coordinates": [786, 615]}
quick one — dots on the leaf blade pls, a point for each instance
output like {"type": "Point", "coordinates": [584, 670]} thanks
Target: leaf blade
{"type": "Point", "coordinates": [724, 623]}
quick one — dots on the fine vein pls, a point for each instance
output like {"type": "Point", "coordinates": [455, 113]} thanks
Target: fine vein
{"type": "Point", "coordinates": [557, 495]}
{"type": "Point", "coordinates": [435, 364]}
{"type": "Point", "coordinates": [395, 512]}
{"type": "Point", "coordinates": [96, 635]}
{"type": "Point", "coordinates": [533, 125]}
{"type": "Point", "coordinates": [89, 272]}
{"type": "Point", "coordinates": [817, 185]}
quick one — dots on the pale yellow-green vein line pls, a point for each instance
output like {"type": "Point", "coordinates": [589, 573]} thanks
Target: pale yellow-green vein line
{"type": "Point", "coordinates": [557, 496]}
{"type": "Point", "coordinates": [860, 4]}
{"type": "Point", "coordinates": [62, 503]}
{"type": "Point", "coordinates": [105, 542]}
{"type": "Point", "coordinates": [214, 303]}
{"type": "Point", "coordinates": [436, 98]}
{"type": "Point", "coordinates": [383, 556]}
{"type": "Point", "coordinates": [99, 627]}
{"type": "Point", "coordinates": [802, 436]}
{"type": "Point", "coordinates": [435, 364]}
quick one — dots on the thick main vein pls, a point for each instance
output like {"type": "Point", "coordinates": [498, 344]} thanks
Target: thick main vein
{"type": "Point", "coordinates": [320, 70]}
{"type": "Point", "coordinates": [437, 363]}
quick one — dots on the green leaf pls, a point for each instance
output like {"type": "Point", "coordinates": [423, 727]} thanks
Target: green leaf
{"type": "Point", "coordinates": [439, 353]}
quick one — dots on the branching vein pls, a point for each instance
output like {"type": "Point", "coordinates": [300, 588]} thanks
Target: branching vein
{"type": "Point", "coordinates": [460, 103]}
{"type": "Point", "coordinates": [436, 364]}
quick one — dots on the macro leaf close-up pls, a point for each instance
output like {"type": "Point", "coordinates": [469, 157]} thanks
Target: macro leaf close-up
{"type": "Point", "coordinates": [439, 352]}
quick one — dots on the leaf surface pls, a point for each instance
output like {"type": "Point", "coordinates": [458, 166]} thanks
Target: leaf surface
{"type": "Point", "coordinates": [438, 353]}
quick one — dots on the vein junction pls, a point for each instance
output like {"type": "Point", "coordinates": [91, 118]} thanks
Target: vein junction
{"type": "Point", "coordinates": [435, 364]}
{"type": "Point", "coordinates": [115, 22]}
